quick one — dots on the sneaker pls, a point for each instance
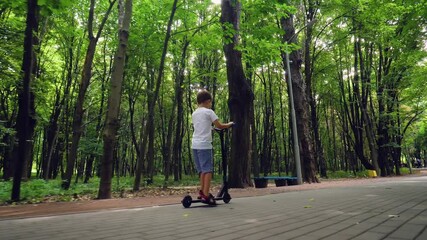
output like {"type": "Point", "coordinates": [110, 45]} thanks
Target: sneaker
{"type": "Point", "coordinates": [200, 194]}
{"type": "Point", "coordinates": [210, 199]}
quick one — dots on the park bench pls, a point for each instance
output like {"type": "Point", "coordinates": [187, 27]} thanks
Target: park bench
{"type": "Point", "coordinates": [262, 182]}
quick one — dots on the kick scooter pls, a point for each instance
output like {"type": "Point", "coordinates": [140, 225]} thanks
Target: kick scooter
{"type": "Point", "coordinates": [223, 193]}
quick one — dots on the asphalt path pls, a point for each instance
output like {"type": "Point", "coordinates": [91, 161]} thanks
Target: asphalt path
{"type": "Point", "coordinates": [394, 209]}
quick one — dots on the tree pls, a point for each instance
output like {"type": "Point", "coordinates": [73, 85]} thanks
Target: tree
{"type": "Point", "coordinates": [152, 99]}
{"type": "Point", "coordinates": [311, 11]}
{"type": "Point", "coordinates": [300, 100]}
{"type": "Point", "coordinates": [113, 109]}
{"type": "Point", "coordinates": [24, 100]}
{"type": "Point", "coordinates": [240, 97]}
{"type": "Point", "coordinates": [84, 84]}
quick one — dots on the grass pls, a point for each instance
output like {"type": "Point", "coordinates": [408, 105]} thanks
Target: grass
{"type": "Point", "coordinates": [360, 174]}
{"type": "Point", "coordinates": [344, 174]}
{"type": "Point", "coordinates": [331, 174]}
{"type": "Point", "coordinates": [39, 190]}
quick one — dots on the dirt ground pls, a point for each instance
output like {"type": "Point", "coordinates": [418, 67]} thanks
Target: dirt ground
{"type": "Point", "coordinates": [171, 197]}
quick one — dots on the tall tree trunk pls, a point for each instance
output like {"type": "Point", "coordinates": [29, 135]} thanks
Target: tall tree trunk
{"type": "Point", "coordinates": [63, 148]}
{"type": "Point", "coordinates": [51, 135]}
{"type": "Point", "coordinates": [9, 139]}
{"type": "Point", "coordinates": [151, 107]}
{"type": "Point", "coordinates": [358, 100]}
{"type": "Point", "coordinates": [283, 130]}
{"type": "Point", "coordinates": [189, 169]}
{"type": "Point", "coordinates": [264, 158]}
{"type": "Point", "coordinates": [23, 123]}
{"type": "Point", "coordinates": [365, 75]}
{"type": "Point", "coordinates": [179, 128]}
{"type": "Point", "coordinates": [167, 142]}
{"type": "Point", "coordinates": [88, 171]}
{"type": "Point", "coordinates": [52, 131]}
{"type": "Point", "coordinates": [354, 112]}
{"type": "Point", "coordinates": [253, 140]}
{"type": "Point", "coordinates": [84, 84]}
{"type": "Point", "coordinates": [240, 98]}
{"type": "Point", "coordinates": [308, 163]}
{"type": "Point", "coordinates": [114, 99]}
{"type": "Point", "coordinates": [308, 69]}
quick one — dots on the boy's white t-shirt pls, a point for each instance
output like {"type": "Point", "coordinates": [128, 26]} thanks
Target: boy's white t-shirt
{"type": "Point", "coordinates": [202, 123]}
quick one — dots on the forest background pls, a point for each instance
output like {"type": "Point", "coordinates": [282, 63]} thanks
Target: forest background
{"type": "Point", "coordinates": [106, 88]}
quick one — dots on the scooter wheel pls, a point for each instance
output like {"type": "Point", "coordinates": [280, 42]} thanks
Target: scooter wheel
{"type": "Point", "coordinates": [226, 198]}
{"type": "Point", "coordinates": [186, 202]}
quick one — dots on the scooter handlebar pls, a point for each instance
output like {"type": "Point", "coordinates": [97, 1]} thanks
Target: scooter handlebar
{"type": "Point", "coordinates": [224, 129]}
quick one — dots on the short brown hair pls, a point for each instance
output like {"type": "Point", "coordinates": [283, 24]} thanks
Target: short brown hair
{"type": "Point", "coordinates": [203, 96]}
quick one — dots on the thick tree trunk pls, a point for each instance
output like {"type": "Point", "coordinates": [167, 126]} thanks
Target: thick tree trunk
{"type": "Point", "coordinates": [308, 163]}
{"type": "Point", "coordinates": [114, 99]}
{"type": "Point", "coordinates": [240, 99]}
{"type": "Point", "coordinates": [84, 84]}
{"type": "Point", "coordinates": [23, 123]}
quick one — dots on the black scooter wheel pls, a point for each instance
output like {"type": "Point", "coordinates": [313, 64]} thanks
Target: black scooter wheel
{"type": "Point", "coordinates": [226, 198]}
{"type": "Point", "coordinates": [186, 202]}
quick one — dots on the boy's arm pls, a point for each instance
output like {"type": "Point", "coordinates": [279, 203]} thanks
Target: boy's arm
{"type": "Point", "coordinates": [220, 125]}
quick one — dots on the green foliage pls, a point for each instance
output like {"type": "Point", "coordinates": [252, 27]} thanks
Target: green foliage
{"type": "Point", "coordinates": [54, 6]}
{"type": "Point", "coordinates": [91, 146]}
{"type": "Point", "coordinates": [4, 131]}
{"type": "Point", "coordinates": [16, 5]}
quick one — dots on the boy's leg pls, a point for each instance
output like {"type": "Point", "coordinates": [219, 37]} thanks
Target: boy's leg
{"type": "Point", "coordinates": [207, 177]}
{"type": "Point", "coordinates": [197, 161]}
{"type": "Point", "coordinates": [201, 181]}
{"type": "Point", "coordinates": [207, 167]}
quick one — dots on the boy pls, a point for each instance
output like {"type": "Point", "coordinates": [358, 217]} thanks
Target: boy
{"type": "Point", "coordinates": [203, 117]}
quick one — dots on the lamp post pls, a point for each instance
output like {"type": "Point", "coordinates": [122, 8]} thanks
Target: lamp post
{"type": "Point", "coordinates": [293, 117]}
{"type": "Point", "coordinates": [294, 122]}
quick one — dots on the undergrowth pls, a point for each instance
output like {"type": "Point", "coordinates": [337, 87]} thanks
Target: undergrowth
{"type": "Point", "coordinates": [39, 190]}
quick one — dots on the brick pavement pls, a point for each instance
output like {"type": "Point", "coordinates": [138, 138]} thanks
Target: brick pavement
{"type": "Point", "coordinates": [395, 209]}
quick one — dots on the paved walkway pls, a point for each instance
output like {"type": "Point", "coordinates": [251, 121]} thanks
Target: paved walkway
{"type": "Point", "coordinates": [395, 209]}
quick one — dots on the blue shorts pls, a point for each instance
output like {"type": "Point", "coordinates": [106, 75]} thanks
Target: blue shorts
{"type": "Point", "coordinates": [203, 160]}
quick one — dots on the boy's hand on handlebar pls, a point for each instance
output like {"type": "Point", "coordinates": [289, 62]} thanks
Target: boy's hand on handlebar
{"type": "Point", "coordinates": [230, 124]}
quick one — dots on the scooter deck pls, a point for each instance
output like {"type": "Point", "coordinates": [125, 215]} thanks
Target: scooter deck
{"type": "Point", "coordinates": [187, 201]}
